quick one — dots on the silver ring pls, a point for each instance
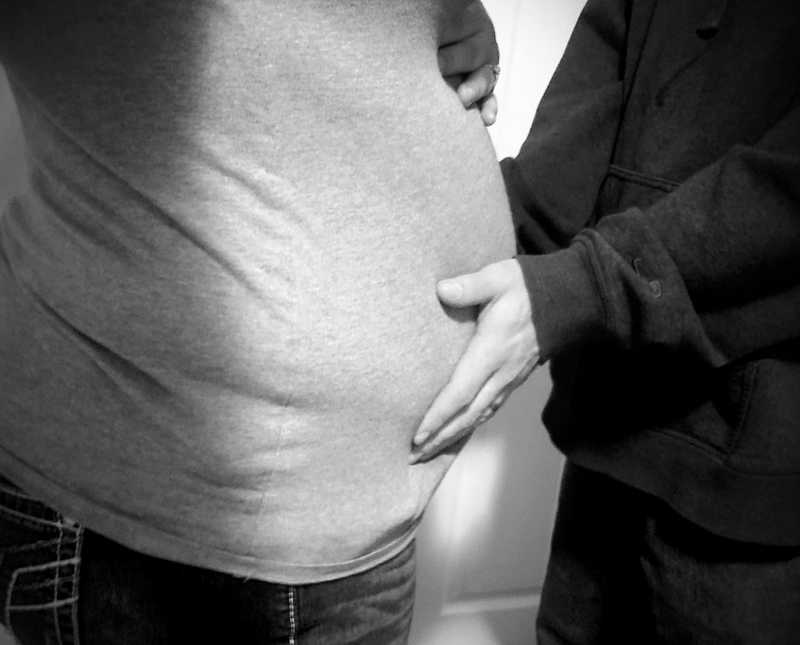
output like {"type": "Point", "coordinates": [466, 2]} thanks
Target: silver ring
{"type": "Point", "coordinates": [484, 416]}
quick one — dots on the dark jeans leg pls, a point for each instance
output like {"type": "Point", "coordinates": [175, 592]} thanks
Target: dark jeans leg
{"type": "Point", "coordinates": [132, 599]}
{"type": "Point", "coordinates": [594, 590]}
{"type": "Point", "coordinates": [370, 608]}
{"type": "Point", "coordinates": [711, 590]}
{"type": "Point", "coordinates": [625, 568]}
{"type": "Point", "coordinates": [129, 598]}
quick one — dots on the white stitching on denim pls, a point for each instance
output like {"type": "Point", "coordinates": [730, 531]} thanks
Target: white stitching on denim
{"type": "Point", "coordinates": [31, 518]}
{"type": "Point", "coordinates": [55, 586]}
{"type": "Point", "coordinates": [12, 585]}
{"type": "Point", "coordinates": [31, 546]}
{"type": "Point", "coordinates": [54, 605]}
{"type": "Point", "coordinates": [43, 605]}
{"type": "Point", "coordinates": [76, 580]}
{"type": "Point", "coordinates": [292, 617]}
{"type": "Point", "coordinates": [40, 567]}
{"type": "Point", "coordinates": [7, 608]}
{"type": "Point", "coordinates": [47, 565]}
{"type": "Point", "coordinates": [69, 539]}
{"type": "Point", "coordinates": [39, 586]}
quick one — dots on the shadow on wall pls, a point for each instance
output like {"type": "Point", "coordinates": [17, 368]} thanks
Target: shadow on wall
{"type": "Point", "coordinates": [483, 546]}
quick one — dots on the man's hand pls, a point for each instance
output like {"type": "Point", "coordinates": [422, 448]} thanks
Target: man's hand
{"type": "Point", "coordinates": [468, 59]}
{"type": "Point", "coordinates": [499, 357]}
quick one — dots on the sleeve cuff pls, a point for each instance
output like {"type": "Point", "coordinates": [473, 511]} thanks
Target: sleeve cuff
{"type": "Point", "coordinates": [566, 301]}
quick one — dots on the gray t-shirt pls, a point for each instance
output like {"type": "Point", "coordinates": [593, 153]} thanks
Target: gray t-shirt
{"type": "Point", "coordinates": [218, 324]}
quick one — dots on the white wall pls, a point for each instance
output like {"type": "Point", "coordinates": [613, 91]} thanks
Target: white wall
{"type": "Point", "coordinates": [532, 35]}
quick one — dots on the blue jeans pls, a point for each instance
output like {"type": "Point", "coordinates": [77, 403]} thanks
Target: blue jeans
{"type": "Point", "coordinates": [62, 584]}
{"type": "Point", "coordinates": [625, 568]}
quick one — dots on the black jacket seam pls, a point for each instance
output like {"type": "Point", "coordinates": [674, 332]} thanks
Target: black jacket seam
{"type": "Point", "coordinates": [723, 458]}
{"type": "Point", "coordinates": [645, 179]}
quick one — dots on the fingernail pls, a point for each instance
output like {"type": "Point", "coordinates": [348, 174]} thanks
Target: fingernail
{"type": "Point", "coordinates": [450, 289]}
{"type": "Point", "coordinates": [420, 438]}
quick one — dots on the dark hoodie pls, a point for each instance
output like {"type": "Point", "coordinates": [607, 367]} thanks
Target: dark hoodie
{"type": "Point", "coordinates": [657, 206]}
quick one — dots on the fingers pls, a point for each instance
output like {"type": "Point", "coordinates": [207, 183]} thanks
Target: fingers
{"type": "Point", "coordinates": [477, 288]}
{"type": "Point", "coordinates": [478, 85]}
{"type": "Point", "coordinates": [489, 110]}
{"type": "Point", "coordinates": [501, 354]}
{"type": "Point", "coordinates": [471, 373]}
{"type": "Point", "coordinates": [483, 355]}
{"type": "Point", "coordinates": [468, 58]}
{"type": "Point", "coordinates": [478, 89]}
{"type": "Point", "coordinates": [482, 407]}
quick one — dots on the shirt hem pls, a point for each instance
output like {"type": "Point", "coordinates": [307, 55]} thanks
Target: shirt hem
{"type": "Point", "coordinates": [151, 541]}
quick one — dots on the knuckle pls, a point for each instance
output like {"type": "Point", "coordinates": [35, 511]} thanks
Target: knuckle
{"type": "Point", "coordinates": [476, 84]}
{"type": "Point", "coordinates": [469, 92]}
{"type": "Point", "coordinates": [483, 84]}
{"type": "Point", "coordinates": [495, 273]}
{"type": "Point", "coordinates": [456, 400]}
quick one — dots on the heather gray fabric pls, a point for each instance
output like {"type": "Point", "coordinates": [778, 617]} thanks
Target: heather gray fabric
{"type": "Point", "coordinates": [218, 326]}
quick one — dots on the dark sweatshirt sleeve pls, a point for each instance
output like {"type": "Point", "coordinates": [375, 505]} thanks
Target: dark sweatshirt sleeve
{"type": "Point", "coordinates": [713, 268]}
{"type": "Point", "coordinates": [553, 182]}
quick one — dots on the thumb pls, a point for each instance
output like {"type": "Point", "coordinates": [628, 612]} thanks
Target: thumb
{"type": "Point", "coordinates": [470, 289]}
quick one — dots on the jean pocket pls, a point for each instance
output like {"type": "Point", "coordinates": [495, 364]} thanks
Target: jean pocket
{"type": "Point", "coordinates": [39, 567]}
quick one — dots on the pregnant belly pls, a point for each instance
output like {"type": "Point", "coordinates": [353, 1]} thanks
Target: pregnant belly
{"type": "Point", "coordinates": [283, 237]}
{"type": "Point", "coordinates": [297, 271]}
{"type": "Point", "coordinates": [318, 293]}
{"type": "Point", "coordinates": [389, 222]}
